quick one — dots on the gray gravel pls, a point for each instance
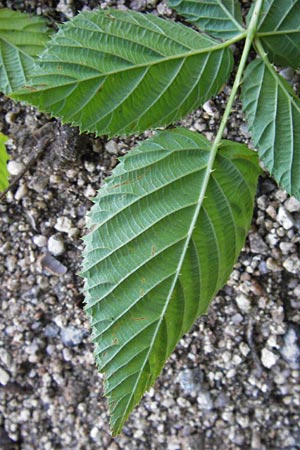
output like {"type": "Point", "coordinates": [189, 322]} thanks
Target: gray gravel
{"type": "Point", "coordinates": [233, 381]}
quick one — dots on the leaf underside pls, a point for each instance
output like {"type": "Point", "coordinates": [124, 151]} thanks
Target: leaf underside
{"type": "Point", "coordinates": [3, 160]}
{"type": "Point", "coordinates": [160, 248]}
{"type": "Point", "coordinates": [119, 72]}
{"type": "Point", "coordinates": [22, 38]}
{"type": "Point", "coordinates": [279, 31]}
{"type": "Point", "coordinates": [220, 18]}
{"type": "Point", "coordinates": [273, 113]}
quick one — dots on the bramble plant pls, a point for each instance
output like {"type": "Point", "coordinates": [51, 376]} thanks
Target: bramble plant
{"type": "Point", "coordinates": [168, 226]}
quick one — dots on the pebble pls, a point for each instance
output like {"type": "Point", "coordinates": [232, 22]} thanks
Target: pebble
{"type": "Point", "coordinates": [21, 192]}
{"type": "Point", "coordinates": [56, 244]}
{"type": "Point", "coordinates": [15, 167]}
{"type": "Point", "coordinates": [52, 265]}
{"type": "Point", "coordinates": [243, 302]}
{"type": "Point", "coordinates": [284, 218]}
{"type": "Point", "coordinates": [190, 380]}
{"type": "Point", "coordinates": [292, 205]}
{"type": "Point", "coordinates": [112, 147]}
{"type": "Point", "coordinates": [257, 244]}
{"type": "Point", "coordinates": [89, 192]}
{"type": "Point", "coordinates": [290, 349]}
{"type": "Point", "coordinates": [292, 264]}
{"type": "Point", "coordinates": [63, 224]}
{"type": "Point", "coordinates": [273, 265]}
{"type": "Point", "coordinates": [204, 400]}
{"type": "Point", "coordinates": [39, 240]}
{"type": "Point", "coordinates": [4, 377]}
{"type": "Point", "coordinates": [268, 358]}
{"type": "Point", "coordinates": [51, 330]}
{"type": "Point", "coordinates": [72, 336]}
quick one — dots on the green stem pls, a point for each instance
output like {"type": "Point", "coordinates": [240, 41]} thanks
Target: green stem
{"type": "Point", "coordinates": [251, 32]}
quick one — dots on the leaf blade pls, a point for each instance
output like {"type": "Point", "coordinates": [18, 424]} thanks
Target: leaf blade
{"type": "Point", "coordinates": [145, 263]}
{"type": "Point", "coordinates": [279, 31]}
{"type": "Point", "coordinates": [276, 134]}
{"type": "Point", "coordinates": [137, 72]}
{"type": "Point", "coordinates": [220, 18]}
{"type": "Point", "coordinates": [22, 39]}
{"type": "Point", "coordinates": [3, 160]}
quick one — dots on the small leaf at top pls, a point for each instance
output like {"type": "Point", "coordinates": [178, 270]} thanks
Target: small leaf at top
{"type": "Point", "coordinates": [3, 160]}
{"type": "Point", "coordinates": [279, 31]}
{"type": "Point", "coordinates": [22, 39]}
{"type": "Point", "coordinates": [273, 113]}
{"type": "Point", "coordinates": [118, 72]}
{"type": "Point", "coordinates": [166, 231]}
{"type": "Point", "coordinates": [220, 18]}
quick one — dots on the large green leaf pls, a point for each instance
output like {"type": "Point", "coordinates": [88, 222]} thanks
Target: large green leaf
{"type": "Point", "coordinates": [115, 72]}
{"type": "Point", "coordinates": [3, 161]}
{"type": "Point", "coordinates": [279, 31]}
{"type": "Point", "coordinates": [220, 18]}
{"type": "Point", "coordinates": [22, 38]}
{"type": "Point", "coordinates": [166, 231]}
{"type": "Point", "coordinates": [273, 113]}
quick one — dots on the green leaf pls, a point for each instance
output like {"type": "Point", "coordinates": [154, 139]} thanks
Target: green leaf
{"type": "Point", "coordinates": [220, 18]}
{"type": "Point", "coordinates": [166, 231]}
{"type": "Point", "coordinates": [22, 38]}
{"type": "Point", "coordinates": [3, 160]}
{"type": "Point", "coordinates": [115, 72]}
{"type": "Point", "coordinates": [273, 113]}
{"type": "Point", "coordinates": [279, 31]}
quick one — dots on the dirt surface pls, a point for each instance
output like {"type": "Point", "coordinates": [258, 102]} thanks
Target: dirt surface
{"type": "Point", "coordinates": [233, 381]}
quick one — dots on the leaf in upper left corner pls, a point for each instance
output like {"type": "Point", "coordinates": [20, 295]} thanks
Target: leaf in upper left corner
{"type": "Point", "coordinates": [22, 39]}
{"type": "Point", "coordinates": [3, 160]}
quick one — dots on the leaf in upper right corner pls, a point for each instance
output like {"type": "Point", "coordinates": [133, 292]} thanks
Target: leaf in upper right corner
{"type": "Point", "coordinates": [279, 31]}
{"type": "Point", "coordinates": [3, 160]}
{"type": "Point", "coordinates": [22, 39]}
{"type": "Point", "coordinates": [273, 113]}
{"type": "Point", "coordinates": [220, 18]}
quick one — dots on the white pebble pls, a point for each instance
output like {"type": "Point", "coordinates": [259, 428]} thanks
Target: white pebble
{"type": "Point", "coordinates": [4, 377]}
{"type": "Point", "coordinates": [111, 147]}
{"type": "Point", "coordinates": [292, 204]}
{"type": "Point", "coordinates": [21, 192]}
{"type": "Point", "coordinates": [89, 192]}
{"type": "Point", "coordinates": [243, 302]}
{"type": "Point", "coordinates": [268, 358]}
{"type": "Point", "coordinates": [284, 218]}
{"type": "Point", "coordinates": [39, 240]}
{"type": "Point", "coordinates": [15, 167]}
{"type": "Point", "coordinates": [292, 264]}
{"type": "Point", "coordinates": [56, 245]}
{"type": "Point", "coordinates": [63, 224]}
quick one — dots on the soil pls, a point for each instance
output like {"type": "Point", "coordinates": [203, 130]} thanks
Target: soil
{"type": "Point", "coordinates": [233, 381]}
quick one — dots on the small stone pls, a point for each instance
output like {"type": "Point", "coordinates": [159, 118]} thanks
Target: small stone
{"type": "Point", "coordinates": [268, 358]}
{"type": "Point", "coordinates": [290, 349]}
{"type": "Point", "coordinates": [284, 218]}
{"type": "Point", "coordinates": [39, 240]}
{"type": "Point", "coordinates": [286, 247]}
{"type": "Point", "coordinates": [112, 147]}
{"type": "Point", "coordinates": [292, 205]}
{"type": "Point", "coordinates": [204, 400]}
{"type": "Point", "coordinates": [5, 357]}
{"type": "Point", "coordinates": [4, 377]}
{"type": "Point", "coordinates": [287, 73]}
{"type": "Point", "coordinates": [273, 265]}
{"type": "Point", "coordinates": [89, 192]}
{"type": "Point", "coordinates": [257, 244]}
{"type": "Point", "coordinates": [51, 330]}
{"type": "Point", "coordinates": [243, 302]}
{"type": "Point", "coordinates": [63, 224]}
{"type": "Point", "coordinates": [15, 167]}
{"type": "Point", "coordinates": [21, 192]}
{"type": "Point", "coordinates": [52, 265]}
{"type": "Point", "coordinates": [190, 380]}
{"type": "Point", "coordinates": [72, 336]}
{"type": "Point", "coordinates": [95, 434]}
{"type": "Point", "coordinates": [56, 244]}
{"type": "Point", "coordinates": [292, 264]}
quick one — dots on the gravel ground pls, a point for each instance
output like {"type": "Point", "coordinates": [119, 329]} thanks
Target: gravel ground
{"type": "Point", "coordinates": [233, 381]}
